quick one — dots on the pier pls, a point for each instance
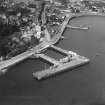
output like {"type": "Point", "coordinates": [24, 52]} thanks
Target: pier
{"type": "Point", "coordinates": [72, 81]}
{"type": "Point", "coordinates": [80, 28]}
{"type": "Point", "coordinates": [61, 65]}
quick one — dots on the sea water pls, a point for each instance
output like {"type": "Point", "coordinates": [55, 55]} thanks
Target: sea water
{"type": "Point", "coordinates": [80, 86]}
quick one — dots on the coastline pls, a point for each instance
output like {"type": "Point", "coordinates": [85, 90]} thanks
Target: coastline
{"type": "Point", "coordinates": [4, 65]}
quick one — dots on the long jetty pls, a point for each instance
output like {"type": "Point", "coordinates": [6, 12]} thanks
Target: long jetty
{"type": "Point", "coordinates": [71, 60]}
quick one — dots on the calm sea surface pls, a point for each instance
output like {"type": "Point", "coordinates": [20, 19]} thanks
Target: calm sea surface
{"type": "Point", "coordinates": [82, 86]}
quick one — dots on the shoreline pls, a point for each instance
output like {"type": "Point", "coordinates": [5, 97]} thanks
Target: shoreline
{"type": "Point", "coordinates": [4, 65]}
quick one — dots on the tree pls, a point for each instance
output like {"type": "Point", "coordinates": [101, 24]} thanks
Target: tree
{"type": "Point", "coordinates": [85, 2]}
